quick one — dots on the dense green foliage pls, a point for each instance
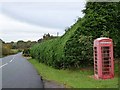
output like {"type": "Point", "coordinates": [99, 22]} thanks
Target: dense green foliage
{"type": "Point", "coordinates": [52, 51]}
{"type": "Point", "coordinates": [102, 19]}
{"type": "Point", "coordinates": [74, 48]}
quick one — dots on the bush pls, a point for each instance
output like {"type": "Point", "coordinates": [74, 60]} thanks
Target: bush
{"type": "Point", "coordinates": [102, 19]}
{"type": "Point", "coordinates": [75, 47]}
{"type": "Point", "coordinates": [78, 51]}
{"type": "Point", "coordinates": [5, 50]}
{"type": "Point", "coordinates": [51, 52]}
{"type": "Point", "coordinates": [64, 52]}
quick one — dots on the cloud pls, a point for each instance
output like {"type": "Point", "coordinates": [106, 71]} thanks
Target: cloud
{"type": "Point", "coordinates": [29, 21]}
{"type": "Point", "coordinates": [12, 29]}
{"type": "Point", "coordinates": [43, 0]}
{"type": "Point", "coordinates": [52, 15]}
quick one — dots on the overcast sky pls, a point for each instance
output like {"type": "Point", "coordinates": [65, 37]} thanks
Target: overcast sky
{"type": "Point", "coordinates": [30, 20]}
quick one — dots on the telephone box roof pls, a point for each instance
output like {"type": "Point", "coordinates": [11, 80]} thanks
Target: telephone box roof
{"type": "Point", "coordinates": [102, 38]}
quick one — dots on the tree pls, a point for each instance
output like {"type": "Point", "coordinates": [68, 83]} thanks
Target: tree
{"type": "Point", "coordinates": [46, 36]}
{"type": "Point", "coordinates": [40, 40]}
{"type": "Point", "coordinates": [21, 44]}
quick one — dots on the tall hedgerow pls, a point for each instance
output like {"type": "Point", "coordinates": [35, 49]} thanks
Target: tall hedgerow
{"type": "Point", "coordinates": [102, 20]}
{"type": "Point", "coordinates": [75, 47]}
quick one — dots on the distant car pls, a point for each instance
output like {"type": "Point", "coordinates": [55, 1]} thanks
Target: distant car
{"type": "Point", "coordinates": [26, 52]}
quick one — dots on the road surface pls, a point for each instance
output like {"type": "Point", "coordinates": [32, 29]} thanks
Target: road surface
{"type": "Point", "coordinates": [17, 72]}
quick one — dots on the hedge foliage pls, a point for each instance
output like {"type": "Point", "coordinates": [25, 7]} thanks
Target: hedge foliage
{"type": "Point", "coordinates": [5, 50]}
{"type": "Point", "coordinates": [103, 19]}
{"type": "Point", "coordinates": [75, 47]}
{"type": "Point", "coordinates": [52, 52]}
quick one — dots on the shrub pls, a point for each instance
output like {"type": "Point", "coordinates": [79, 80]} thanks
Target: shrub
{"type": "Point", "coordinates": [5, 50]}
{"type": "Point", "coordinates": [74, 48]}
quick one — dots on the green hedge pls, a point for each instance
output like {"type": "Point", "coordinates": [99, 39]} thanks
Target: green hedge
{"type": "Point", "coordinates": [51, 52]}
{"type": "Point", "coordinates": [75, 47]}
{"type": "Point", "coordinates": [70, 50]}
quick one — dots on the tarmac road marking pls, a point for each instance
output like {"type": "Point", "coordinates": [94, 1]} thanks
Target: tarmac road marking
{"type": "Point", "coordinates": [3, 65]}
{"type": "Point", "coordinates": [7, 63]}
{"type": "Point", "coordinates": [12, 59]}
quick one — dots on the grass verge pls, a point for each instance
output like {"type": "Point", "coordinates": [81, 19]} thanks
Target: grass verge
{"type": "Point", "coordinates": [82, 78]}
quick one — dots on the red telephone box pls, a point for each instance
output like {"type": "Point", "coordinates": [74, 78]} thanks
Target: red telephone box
{"type": "Point", "coordinates": [103, 58]}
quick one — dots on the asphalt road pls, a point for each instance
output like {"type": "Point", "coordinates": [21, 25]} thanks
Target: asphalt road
{"type": "Point", "coordinates": [17, 72]}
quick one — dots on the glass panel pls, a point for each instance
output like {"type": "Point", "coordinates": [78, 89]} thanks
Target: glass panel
{"type": "Point", "coordinates": [95, 55]}
{"type": "Point", "coordinates": [106, 60]}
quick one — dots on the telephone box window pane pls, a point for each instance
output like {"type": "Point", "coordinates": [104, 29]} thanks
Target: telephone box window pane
{"type": "Point", "coordinates": [106, 60]}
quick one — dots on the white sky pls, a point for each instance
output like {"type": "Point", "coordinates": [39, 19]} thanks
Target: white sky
{"type": "Point", "coordinates": [29, 21]}
{"type": "Point", "coordinates": [43, 0]}
{"type": "Point", "coordinates": [12, 29]}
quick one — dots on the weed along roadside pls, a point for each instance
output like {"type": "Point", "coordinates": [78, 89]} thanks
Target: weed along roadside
{"type": "Point", "coordinates": [77, 78]}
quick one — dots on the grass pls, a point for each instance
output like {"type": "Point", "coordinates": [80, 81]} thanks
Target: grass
{"type": "Point", "coordinates": [82, 78]}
